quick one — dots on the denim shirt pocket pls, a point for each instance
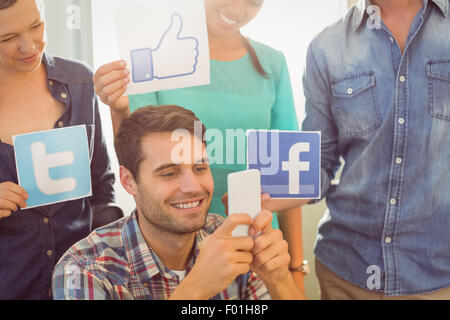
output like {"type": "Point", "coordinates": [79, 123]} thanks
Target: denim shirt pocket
{"type": "Point", "coordinates": [355, 104]}
{"type": "Point", "coordinates": [438, 72]}
{"type": "Point", "coordinates": [90, 131]}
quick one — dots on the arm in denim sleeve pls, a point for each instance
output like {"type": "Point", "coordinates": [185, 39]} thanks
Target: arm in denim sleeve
{"type": "Point", "coordinates": [101, 174]}
{"type": "Point", "coordinates": [318, 95]}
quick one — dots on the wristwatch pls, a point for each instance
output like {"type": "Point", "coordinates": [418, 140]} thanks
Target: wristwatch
{"type": "Point", "coordinates": [303, 269]}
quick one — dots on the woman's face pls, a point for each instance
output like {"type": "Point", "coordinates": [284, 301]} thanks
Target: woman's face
{"type": "Point", "coordinates": [22, 36]}
{"type": "Point", "coordinates": [226, 17]}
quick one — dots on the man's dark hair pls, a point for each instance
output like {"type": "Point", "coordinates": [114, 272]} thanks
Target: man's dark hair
{"type": "Point", "coordinates": [147, 120]}
{"type": "Point", "coordinates": [4, 4]}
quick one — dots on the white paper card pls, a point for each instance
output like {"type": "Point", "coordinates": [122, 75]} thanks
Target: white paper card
{"type": "Point", "coordinates": [165, 44]}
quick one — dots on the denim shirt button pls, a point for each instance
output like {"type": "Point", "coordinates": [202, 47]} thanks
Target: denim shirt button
{"type": "Point", "coordinates": [388, 240]}
{"type": "Point", "coordinates": [401, 120]}
{"type": "Point", "coordinates": [398, 160]}
{"type": "Point", "coordinates": [349, 91]}
{"type": "Point", "coordinates": [64, 95]}
{"type": "Point", "coordinates": [393, 202]}
{"type": "Point", "coordinates": [402, 79]}
{"type": "Point", "coordinates": [60, 124]}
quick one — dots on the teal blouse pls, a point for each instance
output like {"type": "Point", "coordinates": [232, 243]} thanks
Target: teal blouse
{"type": "Point", "coordinates": [237, 98]}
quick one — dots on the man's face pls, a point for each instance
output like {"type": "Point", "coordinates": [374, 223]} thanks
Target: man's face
{"type": "Point", "coordinates": [170, 196]}
{"type": "Point", "coordinates": [22, 36]}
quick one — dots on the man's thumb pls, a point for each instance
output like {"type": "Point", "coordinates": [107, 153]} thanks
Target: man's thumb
{"type": "Point", "coordinates": [232, 221]}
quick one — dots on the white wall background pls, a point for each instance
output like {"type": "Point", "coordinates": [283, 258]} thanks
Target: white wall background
{"type": "Point", "coordinates": [287, 25]}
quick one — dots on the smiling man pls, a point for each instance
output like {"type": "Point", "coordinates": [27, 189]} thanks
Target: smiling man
{"type": "Point", "coordinates": [170, 247]}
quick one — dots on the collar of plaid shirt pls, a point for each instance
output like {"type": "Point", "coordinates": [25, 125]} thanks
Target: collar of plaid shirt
{"type": "Point", "coordinates": [143, 261]}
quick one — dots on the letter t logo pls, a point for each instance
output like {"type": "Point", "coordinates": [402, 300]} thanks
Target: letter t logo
{"type": "Point", "coordinates": [42, 162]}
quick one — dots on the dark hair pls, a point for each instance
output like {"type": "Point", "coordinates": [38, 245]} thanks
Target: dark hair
{"type": "Point", "coordinates": [4, 4]}
{"type": "Point", "coordinates": [147, 120]}
{"type": "Point", "coordinates": [256, 64]}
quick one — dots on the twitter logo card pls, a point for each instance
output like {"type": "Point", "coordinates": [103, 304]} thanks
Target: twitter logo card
{"type": "Point", "coordinates": [53, 165]}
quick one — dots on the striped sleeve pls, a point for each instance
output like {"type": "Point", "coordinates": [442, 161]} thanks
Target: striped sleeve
{"type": "Point", "coordinates": [256, 289]}
{"type": "Point", "coordinates": [74, 282]}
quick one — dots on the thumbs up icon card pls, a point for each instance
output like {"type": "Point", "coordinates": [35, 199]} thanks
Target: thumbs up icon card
{"type": "Point", "coordinates": [165, 44]}
{"type": "Point", "coordinates": [53, 165]}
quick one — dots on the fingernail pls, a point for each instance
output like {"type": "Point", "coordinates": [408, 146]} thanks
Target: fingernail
{"type": "Point", "coordinates": [122, 63]}
{"type": "Point", "coordinates": [251, 232]}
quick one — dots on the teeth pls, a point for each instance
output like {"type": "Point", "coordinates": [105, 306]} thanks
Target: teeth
{"type": "Point", "coordinates": [226, 20]}
{"type": "Point", "coordinates": [187, 205]}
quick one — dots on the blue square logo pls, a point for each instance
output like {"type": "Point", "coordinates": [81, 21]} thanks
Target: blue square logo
{"type": "Point", "coordinates": [53, 166]}
{"type": "Point", "coordinates": [289, 162]}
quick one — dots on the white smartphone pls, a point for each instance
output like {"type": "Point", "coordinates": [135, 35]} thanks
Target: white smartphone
{"type": "Point", "coordinates": [244, 196]}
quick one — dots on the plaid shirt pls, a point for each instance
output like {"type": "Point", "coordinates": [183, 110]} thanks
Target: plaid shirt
{"type": "Point", "coordinates": [114, 262]}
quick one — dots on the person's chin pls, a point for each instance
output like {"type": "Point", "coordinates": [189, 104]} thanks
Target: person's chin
{"type": "Point", "coordinates": [196, 215]}
{"type": "Point", "coordinates": [190, 223]}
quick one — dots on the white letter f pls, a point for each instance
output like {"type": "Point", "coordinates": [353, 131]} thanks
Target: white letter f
{"type": "Point", "coordinates": [294, 166]}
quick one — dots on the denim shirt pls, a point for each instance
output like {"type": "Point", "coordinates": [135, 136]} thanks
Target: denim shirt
{"type": "Point", "coordinates": [33, 240]}
{"type": "Point", "coordinates": [387, 114]}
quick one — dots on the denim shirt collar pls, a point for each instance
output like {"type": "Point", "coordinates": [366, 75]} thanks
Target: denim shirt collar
{"type": "Point", "coordinates": [361, 7]}
{"type": "Point", "coordinates": [53, 72]}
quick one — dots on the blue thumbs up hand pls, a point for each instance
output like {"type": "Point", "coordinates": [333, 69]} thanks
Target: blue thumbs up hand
{"type": "Point", "coordinates": [175, 56]}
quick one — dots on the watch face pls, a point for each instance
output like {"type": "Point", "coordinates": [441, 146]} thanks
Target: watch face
{"type": "Point", "coordinates": [304, 268]}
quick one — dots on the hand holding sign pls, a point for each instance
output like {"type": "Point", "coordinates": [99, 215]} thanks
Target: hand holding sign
{"type": "Point", "coordinates": [110, 83]}
{"type": "Point", "coordinates": [161, 63]}
{"type": "Point", "coordinates": [12, 197]}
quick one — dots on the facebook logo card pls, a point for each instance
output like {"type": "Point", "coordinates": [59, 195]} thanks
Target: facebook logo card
{"type": "Point", "coordinates": [53, 166]}
{"type": "Point", "coordinates": [173, 54]}
{"type": "Point", "coordinates": [289, 162]}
